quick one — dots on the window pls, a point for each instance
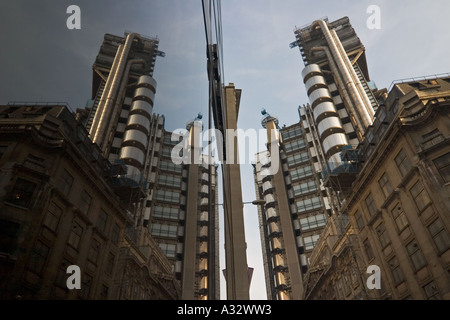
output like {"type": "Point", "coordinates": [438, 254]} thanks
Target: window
{"type": "Point", "coordinates": [399, 217]}
{"type": "Point", "coordinates": [420, 195]}
{"type": "Point", "coordinates": [102, 220]}
{"type": "Point", "coordinates": [403, 163]}
{"type": "Point", "coordinates": [309, 204]}
{"type": "Point", "coordinates": [168, 249]}
{"type": "Point", "coordinates": [368, 249]}
{"type": "Point", "coordinates": [85, 202]}
{"type": "Point", "coordinates": [359, 220]}
{"type": "Point", "coordinates": [440, 236]}
{"type": "Point", "coordinates": [170, 166]}
{"type": "Point", "coordinates": [53, 216]}
{"type": "Point", "coordinates": [8, 236]}
{"type": "Point", "coordinates": [75, 235]}
{"type": "Point", "coordinates": [66, 182]}
{"type": "Point", "coordinates": [22, 193]}
{"type": "Point", "coordinates": [312, 222]}
{"type": "Point", "coordinates": [396, 271]}
{"type": "Point", "coordinates": [371, 206]}
{"type": "Point", "coordinates": [115, 234]}
{"type": "Point", "coordinates": [110, 263]}
{"type": "Point", "coordinates": [165, 212]}
{"type": "Point", "coordinates": [303, 188]}
{"type": "Point", "coordinates": [297, 158]}
{"type": "Point", "coordinates": [3, 150]}
{"type": "Point", "coordinates": [94, 251]}
{"type": "Point", "coordinates": [310, 241]}
{"type": "Point", "coordinates": [432, 291]}
{"type": "Point", "coordinates": [169, 196]}
{"type": "Point", "coordinates": [382, 235]}
{"type": "Point", "coordinates": [104, 292]}
{"type": "Point", "coordinates": [416, 255]}
{"type": "Point", "coordinates": [294, 145]}
{"type": "Point", "coordinates": [86, 283]}
{"type": "Point", "coordinates": [169, 180]}
{"type": "Point", "coordinates": [291, 133]}
{"type": "Point", "coordinates": [385, 185]}
{"type": "Point", "coordinates": [62, 275]}
{"type": "Point", "coordinates": [302, 172]}
{"type": "Point", "coordinates": [38, 257]}
{"type": "Point", "coordinates": [163, 230]}
{"type": "Point", "coordinates": [443, 165]}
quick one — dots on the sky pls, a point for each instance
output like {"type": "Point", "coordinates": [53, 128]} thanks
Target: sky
{"type": "Point", "coordinates": [42, 60]}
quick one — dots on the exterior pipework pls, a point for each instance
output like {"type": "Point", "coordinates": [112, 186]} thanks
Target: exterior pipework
{"type": "Point", "coordinates": [113, 90]}
{"type": "Point", "coordinates": [118, 104]}
{"type": "Point", "coordinates": [106, 90]}
{"type": "Point", "coordinates": [341, 87]}
{"type": "Point", "coordinates": [354, 92]}
{"type": "Point", "coordinates": [358, 84]}
{"type": "Point", "coordinates": [329, 126]}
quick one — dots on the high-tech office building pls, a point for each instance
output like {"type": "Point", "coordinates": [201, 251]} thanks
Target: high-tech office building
{"type": "Point", "coordinates": [157, 191]}
{"type": "Point", "coordinates": [294, 212]}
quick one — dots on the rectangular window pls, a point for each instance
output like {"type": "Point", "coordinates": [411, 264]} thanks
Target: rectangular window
{"type": "Point", "coordinates": [168, 196]}
{"type": "Point", "coordinates": [359, 220]}
{"type": "Point", "coordinates": [3, 150]}
{"type": "Point", "coordinates": [310, 241]}
{"type": "Point", "coordinates": [66, 182]}
{"type": "Point", "coordinates": [110, 263]}
{"type": "Point", "coordinates": [440, 236]}
{"type": "Point", "coordinates": [165, 212]}
{"type": "Point", "coordinates": [371, 206]}
{"type": "Point", "coordinates": [22, 193]}
{"type": "Point", "coordinates": [169, 181]}
{"type": "Point", "coordinates": [170, 166]}
{"type": "Point", "coordinates": [75, 235]}
{"type": "Point", "coordinates": [399, 217]}
{"type": "Point", "coordinates": [163, 230]}
{"type": "Point", "coordinates": [420, 195]}
{"type": "Point", "coordinates": [8, 236]}
{"type": "Point", "coordinates": [396, 271]}
{"type": "Point", "coordinates": [291, 133]}
{"type": "Point", "coordinates": [432, 291]}
{"type": "Point", "coordinates": [94, 251]}
{"type": "Point", "coordinates": [115, 234]}
{"type": "Point", "coordinates": [298, 158]}
{"type": "Point", "coordinates": [382, 235]}
{"type": "Point", "coordinates": [309, 204]}
{"type": "Point", "coordinates": [85, 202]}
{"type": "Point", "coordinates": [302, 172]}
{"type": "Point", "coordinates": [168, 249]}
{"type": "Point", "coordinates": [38, 257]}
{"type": "Point", "coordinates": [385, 185]}
{"type": "Point", "coordinates": [294, 145]}
{"type": "Point", "coordinates": [53, 216]}
{"type": "Point", "coordinates": [312, 222]}
{"type": "Point", "coordinates": [416, 255]}
{"type": "Point", "coordinates": [304, 188]}
{"type": "Point", "coordinates": [102, 220]}
{"type": "Point", "coordinates": [443, 165]}
{"type": "Point", "coordinates": [86, 284]}
{"type": "Point", "coordinates": [368, 249]}
{"type": "Point", "coordinates": [402, 162]}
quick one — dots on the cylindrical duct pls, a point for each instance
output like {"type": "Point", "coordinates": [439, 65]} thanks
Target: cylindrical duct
{"type": "Point", "coordinates": [329, 126]}
{"type": "Point", "coordinates": [135, 141]}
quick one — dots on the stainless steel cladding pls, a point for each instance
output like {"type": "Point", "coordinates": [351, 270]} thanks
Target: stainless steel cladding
{"type": "Point", "coordinates": [329, 125]}
{"type": "Point", "coordinates": [136, 133]}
